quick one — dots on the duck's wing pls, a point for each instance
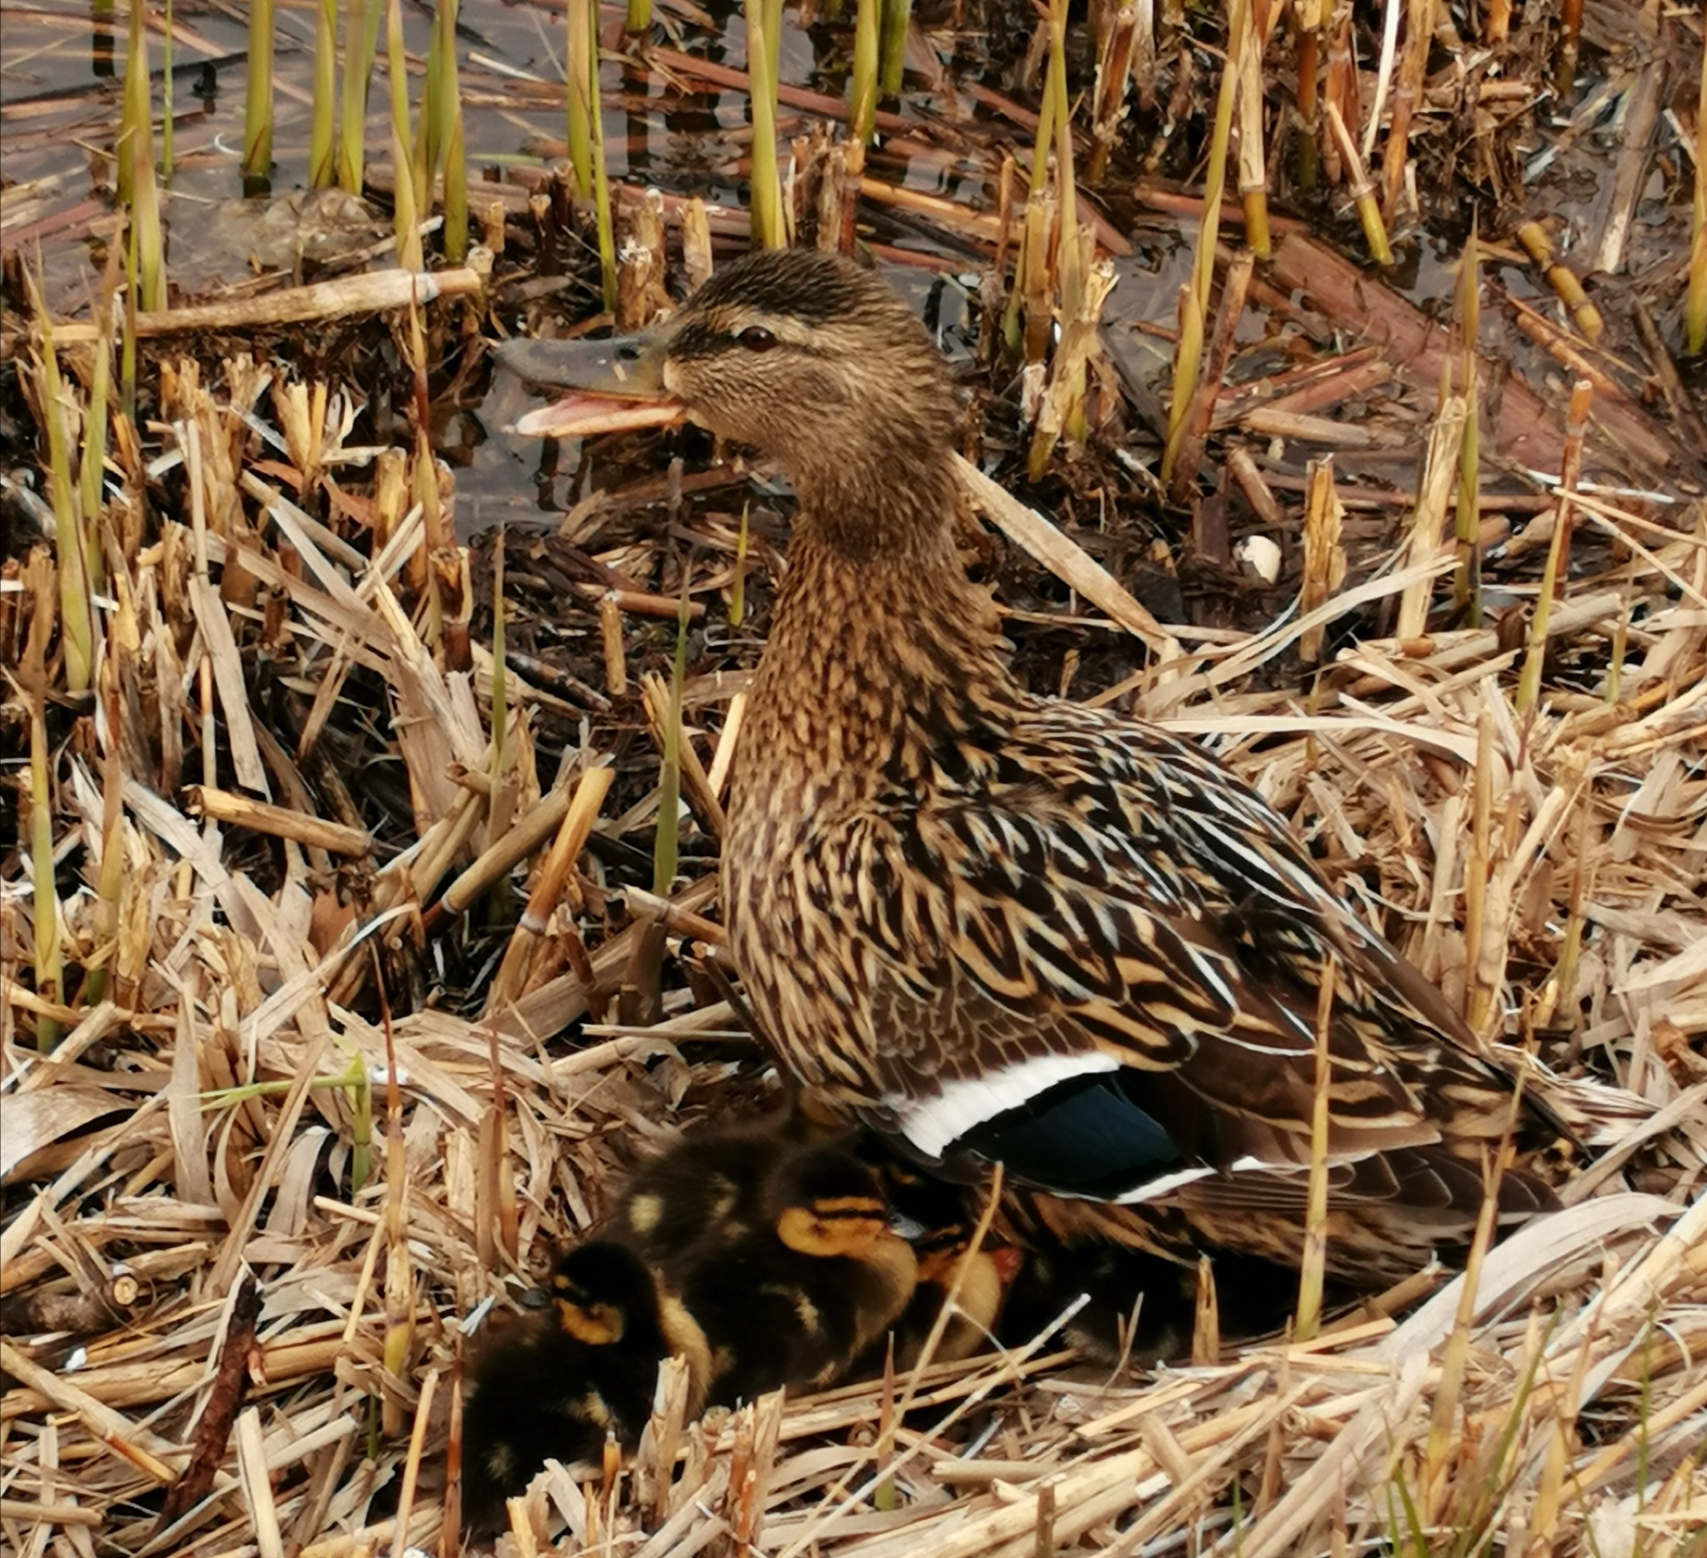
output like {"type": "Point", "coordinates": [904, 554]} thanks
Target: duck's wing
{"type": "Point", "coordinates": [1115, 952]}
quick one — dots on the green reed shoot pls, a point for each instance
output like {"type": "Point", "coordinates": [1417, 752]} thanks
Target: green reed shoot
{"type": "Point", "coordinates": [76, 613]}
{"type": "Point", "coordinates": [582, 56]}
{"type": "Point", "coordinates": [49, 956]}
{"type": "Point", "coordinates": [323, 115]}
{"type": "Point", "coordinates": [258, 100]}
{"type": "Point", "coordinates": [1695, 303]}
{"type": "Point", "coordinates": [1467, 585]}
{"type": "Point", "coordinates": [862, 84]}
{"type": "Point", "coordinates": [601, 174]}
{"type": "Point", "coordinates": [456, 174]}
{"type": "Point", "coordinates": [1194, 304]}
{"type": "Point", "coordinates": [639, 17]}
{"type": "Point", "coordinates": [441, 129]}
{"type": "Point", "coordinates": [768, 232]}
{"type": "Point", "coordinates": [361, 40]}
{"type": "Point", "coordinates": [138, 190]}
{"type": "Point", "coordinates": [897, 16]}
{"type": "Point", "coordinates": [166, 96]}
{"type": "Point", "coordinates": [406, 202]}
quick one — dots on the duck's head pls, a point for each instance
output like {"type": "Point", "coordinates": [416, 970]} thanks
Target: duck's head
{"type": "Point", "coordinates": [603, 1294]}
{"type": "Point", "coordinates": [827, 1203]}
{"type": "Point", "coordinates": [800, 354]}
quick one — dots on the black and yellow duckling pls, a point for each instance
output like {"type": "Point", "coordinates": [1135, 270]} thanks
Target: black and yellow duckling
{"type": "Point", "coordinates": [939, 1220]}
{"type": "Point", "coordinates": [795, 1300]}
{"type": "Point", "coordinates": [563, 1382]}
{"type": "Point", "coordinates": [707, 1190]}
{"type": "Point", "coordinates": [1006, 926]}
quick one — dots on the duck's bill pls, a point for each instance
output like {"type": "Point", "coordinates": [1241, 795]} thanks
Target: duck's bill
{"type": "Point", "coordinates": [578, 416]}
{"type": "Point", "coordinates": [617, 385]}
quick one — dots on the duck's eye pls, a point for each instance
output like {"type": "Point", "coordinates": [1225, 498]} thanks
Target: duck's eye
{"type": "Point", "coordinates": [755, 338]}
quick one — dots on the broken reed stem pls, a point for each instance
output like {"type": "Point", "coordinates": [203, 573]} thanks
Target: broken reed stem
{"type": "Point", "coordinates": [1555, 578]}
{"type": "Point", "coordinates": [1562, 279]}
{"type": "Point", "coordinates": [323, 110]}
{"type": "Point", "coordinates": [1362, 191]}
{"type": "Point", "coordinates": [1695, 303]}
{"type": "Point", "coordinates": [1313, 1266]}
{"type": "Point", "coordinates": [1253, 173]}
{"type": "Point", "coordinates": [1324, 556]}
{"type": "Point", "coordinates": [1108, 101]}
{"type": "Point", "coordinates": [1441, 466]}
{"type": "Point", "coordinates": [258, 96]}
{"type": "Point", "coordinates": [1307, 19]}
{"type": "Point", "coordinates": [1413, 67]}
{"type": "Point", "coordinates": [1467, 583]}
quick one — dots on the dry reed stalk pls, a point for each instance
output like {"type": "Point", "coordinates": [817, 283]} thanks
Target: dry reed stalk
{"type": "Point", "coordinates": [1324, 556]}
{"type": "Point", "coordinates": [378, 292]}
{"type": "Point", "coordinates": [1441, 469]}
{"type": "Point", "coordinates": [1419, 34]}
{"type": "Point", "coordinates": [1253, 171]}
{"type": "Point", "coordinates": [1362, 190]}
{"type": "Point", "coordinates": [1555, 580]}
{"type": "Point", "coordinates": [1695, 296]}
{"type": "Point", "coordinates": [1308, 1317]}
{"type": "Point", "coordinates": [1561, 278]}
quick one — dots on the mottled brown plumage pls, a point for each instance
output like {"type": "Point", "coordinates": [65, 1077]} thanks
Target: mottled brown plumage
{"type": "Point", "coordinates": [1012, 928]}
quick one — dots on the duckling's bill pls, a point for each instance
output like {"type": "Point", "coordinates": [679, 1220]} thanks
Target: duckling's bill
{"type": "Point", "coordinates": [618, 384]}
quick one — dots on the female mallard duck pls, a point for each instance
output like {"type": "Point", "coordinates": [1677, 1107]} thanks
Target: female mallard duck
{"type": "Point", "coordinates": [798, 1298]}
{"type": "Point", "coordinates": [1007, 926]}
{"type": "Point", "coordinates": [562, 1383]}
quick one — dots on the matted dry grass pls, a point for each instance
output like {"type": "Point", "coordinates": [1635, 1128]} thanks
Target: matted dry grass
{"type": "Point", "coordinates": [263, 1093]}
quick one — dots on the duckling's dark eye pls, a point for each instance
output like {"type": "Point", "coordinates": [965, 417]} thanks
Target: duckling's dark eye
{"type": "Point", "coordinates": [755, 338]}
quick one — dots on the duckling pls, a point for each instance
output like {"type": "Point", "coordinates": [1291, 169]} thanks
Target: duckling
{"type": "Point", "coordinates": [939, 1220]}
{"type": "Point", "coordinates": [561, 1384]}
{"type": "Point", "coordinates": [706, 1191]}
{"type": "Point", "coordinates": [794, 1301]}
{"type": "Point", "coordinates": [1009, 928]}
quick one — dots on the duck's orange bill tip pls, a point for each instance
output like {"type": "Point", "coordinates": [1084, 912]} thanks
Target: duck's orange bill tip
{"type": "Point", "coordinates": [577, 416]}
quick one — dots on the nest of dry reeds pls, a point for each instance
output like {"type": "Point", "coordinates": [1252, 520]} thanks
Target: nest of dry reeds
{"type": "Point", "coordinates": [312, 1094]}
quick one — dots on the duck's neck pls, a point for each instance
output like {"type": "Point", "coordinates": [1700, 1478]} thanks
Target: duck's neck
{"type": "Point", "coordinates": [882, 654]}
